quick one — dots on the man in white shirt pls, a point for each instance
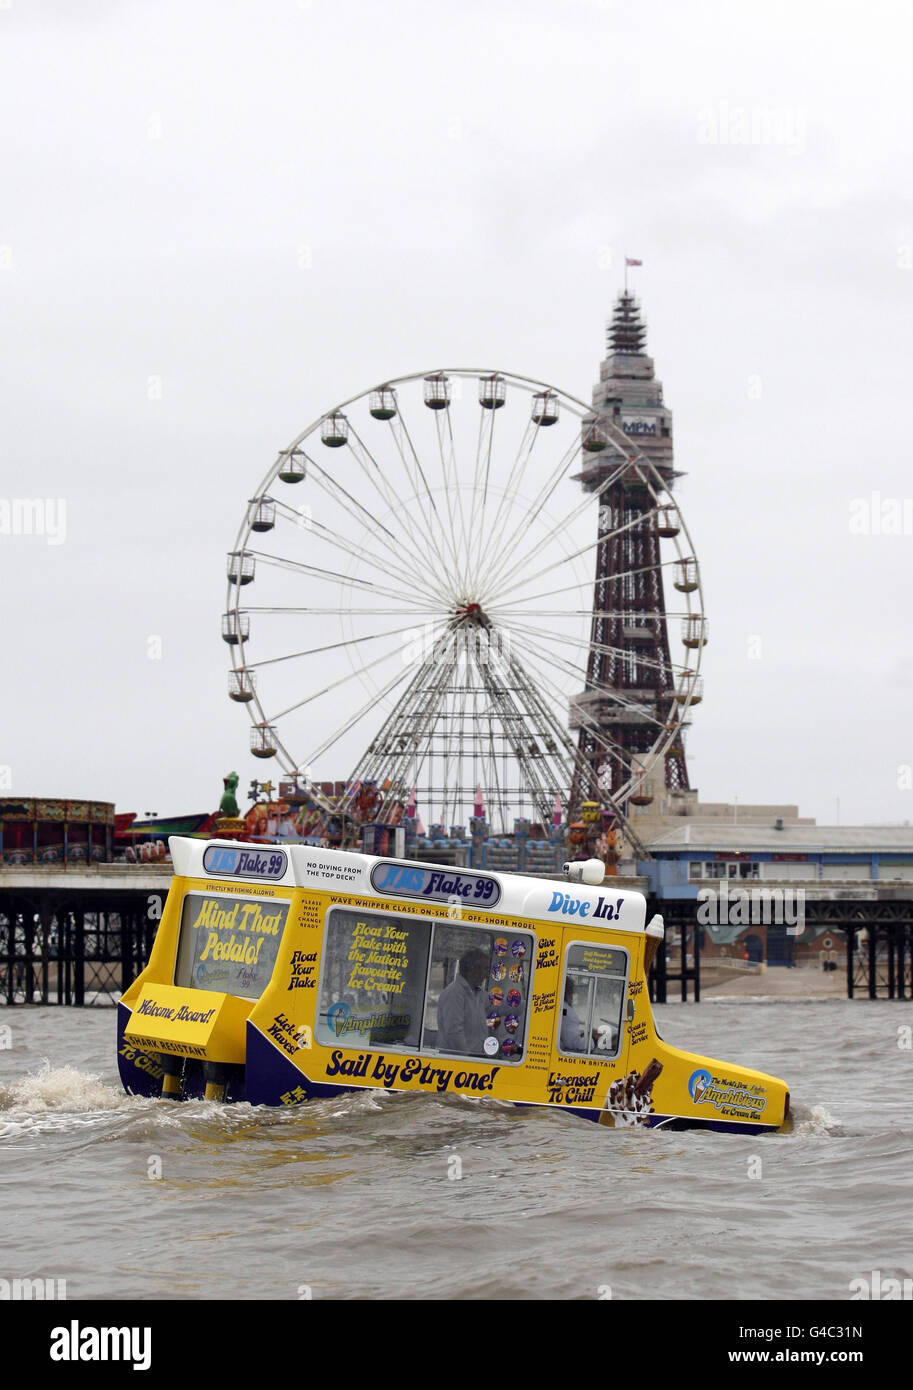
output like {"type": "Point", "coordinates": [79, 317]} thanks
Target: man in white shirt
{"type": "Point", "coordinates": [461, 1010]}
{"type": "Point", "coordinates": [573, 1033]}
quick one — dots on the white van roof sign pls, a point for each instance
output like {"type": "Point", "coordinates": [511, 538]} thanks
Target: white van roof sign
{"type": "Point", "coordinates": [435, 884]}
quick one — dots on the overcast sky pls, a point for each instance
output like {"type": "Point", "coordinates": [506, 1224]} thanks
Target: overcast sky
{"type": "Point", "coordinates": [218, 219]}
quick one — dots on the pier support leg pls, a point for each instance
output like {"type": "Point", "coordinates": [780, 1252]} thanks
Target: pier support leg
{"type": "Point", "coordinates": [873, 979]}
{"type": "Point", "coordinates": [79, 959]}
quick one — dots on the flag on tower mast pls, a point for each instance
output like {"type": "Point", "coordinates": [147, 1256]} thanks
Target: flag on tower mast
{"type": "Point", "coordinates": [629, 260]}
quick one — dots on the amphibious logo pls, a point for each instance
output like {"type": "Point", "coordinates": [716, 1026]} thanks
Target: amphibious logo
{"type": "Point", "coordinates": [729, 1097]}
{"type": "Point", "coordinates": [342, 1021]}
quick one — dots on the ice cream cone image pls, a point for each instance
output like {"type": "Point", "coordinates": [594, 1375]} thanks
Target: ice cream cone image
{"type": "Point", "coordinates": [630, 1098]}
{"type": "Point", "coordinates": [698, 1084]}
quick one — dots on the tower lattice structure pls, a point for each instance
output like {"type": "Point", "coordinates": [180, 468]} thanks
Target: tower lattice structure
{"type": "Point", "coordinates": [629, 691]}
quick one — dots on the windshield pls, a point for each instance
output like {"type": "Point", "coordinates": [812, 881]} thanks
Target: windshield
{"type": "Point", "coordinates": [229, 944]}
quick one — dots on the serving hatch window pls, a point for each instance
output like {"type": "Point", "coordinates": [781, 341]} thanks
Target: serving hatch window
{"type": "Point", "coordinates": [593, 996]}
{"type": "Point", "coordinates": [229, 944]}
{"type": "Point", "coordinates": [419, 984]}
{"type": "Point", "coordinates": [373, 982]}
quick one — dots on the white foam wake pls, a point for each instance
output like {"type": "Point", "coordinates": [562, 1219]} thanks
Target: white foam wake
{"type": "Point", "coordinates": [816, 1120]}
{"type": "Point", "coordinates": [59, 1089]}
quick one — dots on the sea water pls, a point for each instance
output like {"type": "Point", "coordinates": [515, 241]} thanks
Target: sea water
{"type": "Point", "coordinates": [376, 1195]}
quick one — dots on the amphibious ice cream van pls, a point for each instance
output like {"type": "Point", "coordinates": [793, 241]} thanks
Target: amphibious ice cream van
{"type": "Point", "coordinates": [283, 974]}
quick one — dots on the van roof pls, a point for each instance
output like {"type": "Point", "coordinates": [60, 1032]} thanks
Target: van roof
{"type": "Point", "coordinates": [364, 875]}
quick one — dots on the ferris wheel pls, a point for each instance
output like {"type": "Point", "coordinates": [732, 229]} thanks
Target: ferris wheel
{"type": "Point", "coordinates": [413, 613]}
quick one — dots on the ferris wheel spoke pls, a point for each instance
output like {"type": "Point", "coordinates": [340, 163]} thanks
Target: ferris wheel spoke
{"type": "Point", "coordinates": [479, 509]}
{"type": "Point", "coordinates": [334, 576]}
{"type": "Point", "coordinates": [579, 585]}
{"type": "Point", "coordinates": [515, 624]}
{"type": "Point", "coordinates": [621, 653]}
{"type": "Point", "coordinates": [580, 673]}
{"type": "Point", "coordinates": [375, 475]}
{"type": "Point", "coordinates": [609, 744]}
{"type": "Point", "coordinates": [601, 539]}
{"type": "Point", "coordinates": [557, 697]}
{"type": "Point", "coordinates": [334, 611]}
{"type": "Point", "coordinates": [333, 488]}
{"type": "Point", "coordinates": [418, 482]}
{"type": "Point", "coordinates": [517, 469]}
{"type": "Point", "coordinates": [608, 749]}
{"type": "Point", "coordinates": [485, 433]}
{"type": "Point", "coordinates": [539, 502]}
{"type": "Point", "coordinates": [501, 553]}
{"type": "Point", "coordinates": [565, 559]}
{"type": "Point", "coordinates": [566, 524]}
{"type": "Point", "coordinates": [356, 718]}
{"type": "Point", "coordinates": [317, 694]}
{"type": "Point", "coordinates": [430, 515]}
{"type": "Point", "coordinates": [445, 531]}
{"type": "Point", "coordinates": [506, 613]}
{"type": "Point", "coordinates": [335, 685]}
{"type": "Point", "coordinates": [384, 565]}
{"type": "Point", "coordinates": [329, 647]}
{"type": "Point", "coordinates": [447, 448]}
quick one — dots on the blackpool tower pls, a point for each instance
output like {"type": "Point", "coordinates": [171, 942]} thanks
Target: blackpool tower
{"type": "Point", "coordinates": [630, 687]}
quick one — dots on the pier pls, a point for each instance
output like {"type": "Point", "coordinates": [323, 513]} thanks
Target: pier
{"type": "Point", "coordinates": [76, 935]}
